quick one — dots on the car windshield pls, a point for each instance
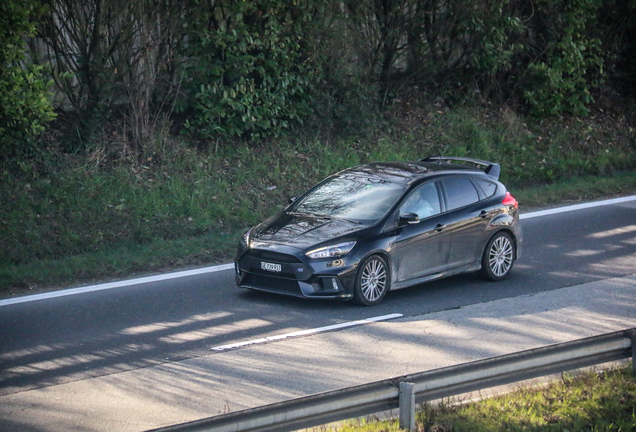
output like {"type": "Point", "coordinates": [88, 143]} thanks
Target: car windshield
{"type": "Point", "coordinates": [355, 198]}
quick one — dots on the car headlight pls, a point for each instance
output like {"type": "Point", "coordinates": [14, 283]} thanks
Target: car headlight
{"type": "Point", "coordinates": [245, 240]}
{"type": "Point", "coordinates": [335, 251]}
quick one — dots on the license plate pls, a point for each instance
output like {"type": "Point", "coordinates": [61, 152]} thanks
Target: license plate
{"type": "Point", "coordinates": [271, 267]}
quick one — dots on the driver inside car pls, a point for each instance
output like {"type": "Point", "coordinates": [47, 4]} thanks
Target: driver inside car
{"type": "Point", "coordinates": [423, 202]}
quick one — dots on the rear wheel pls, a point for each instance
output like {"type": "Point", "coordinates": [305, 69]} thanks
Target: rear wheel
{"type": "Point", "coordinates": [372, 281]}
{"type": "Point", "coordinates": [498, 257]}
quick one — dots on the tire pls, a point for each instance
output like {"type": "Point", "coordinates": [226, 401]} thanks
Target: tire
{"type": "Point", "coordinates": [498, 258]}
{"type": "Point", "coordinates": [373, 281]}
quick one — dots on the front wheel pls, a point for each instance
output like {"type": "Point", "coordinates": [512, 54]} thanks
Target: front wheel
{"type": "Point", "coordinates": [498, 257]}
{"type": "Point", "coordinates": [373, 281]}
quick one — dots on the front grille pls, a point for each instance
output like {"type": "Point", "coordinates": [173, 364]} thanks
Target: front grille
{"type": "Point", "coordinates": [272, 256]}
{"type": "Point", "coordinates": [296, 271]}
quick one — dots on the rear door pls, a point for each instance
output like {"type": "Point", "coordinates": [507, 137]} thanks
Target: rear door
{"type": "Point", "coordinates": [468, 217]}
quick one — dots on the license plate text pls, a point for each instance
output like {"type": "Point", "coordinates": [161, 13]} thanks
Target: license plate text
{"type": "Point", "coordinates": [271, 267]}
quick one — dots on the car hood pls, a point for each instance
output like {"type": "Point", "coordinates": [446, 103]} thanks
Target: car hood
{"type": "Point", "coordinates": [303, 230]}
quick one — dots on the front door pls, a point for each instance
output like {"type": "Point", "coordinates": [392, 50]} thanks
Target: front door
{"type": "Point", "coordinates": [423, 247]}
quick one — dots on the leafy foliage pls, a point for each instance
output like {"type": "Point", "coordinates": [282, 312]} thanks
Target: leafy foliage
{"type": "Point", "coordinates": [256, 68]}
{"type": "Point", "coordinates": [562, 80]}
{"type": "Point", "coordinates": [251, 75]}
{"type": "Point", "coordinates": [24, 98]}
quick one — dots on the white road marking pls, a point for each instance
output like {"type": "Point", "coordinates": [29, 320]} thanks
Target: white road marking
{"type": "Point", "coordinates": [307, 332]}
{"type": "Point", "coordinates": [577, 207]}
{"type": "Point", "coordinates": [215, 269]}
{"type": "Point", "coordinates": [118, 284]}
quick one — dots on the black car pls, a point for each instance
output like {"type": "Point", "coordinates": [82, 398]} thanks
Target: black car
{"type": "Point", "coordinates": [383, 226]}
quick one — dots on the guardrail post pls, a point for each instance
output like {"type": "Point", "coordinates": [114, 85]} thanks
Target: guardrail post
{"type": "Point", "coordinates": [632, 335]}
{"type": "Point", "coordinates": [407, 406]}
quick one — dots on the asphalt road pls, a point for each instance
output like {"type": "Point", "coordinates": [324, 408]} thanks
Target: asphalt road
{"type": "Point", "coordinates": [48, 343]}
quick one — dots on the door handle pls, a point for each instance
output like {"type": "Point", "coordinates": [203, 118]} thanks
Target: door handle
{"type": "Point", "coordinates": [440, 227]}
{"type": "Point", "coordinates": [483, 214]}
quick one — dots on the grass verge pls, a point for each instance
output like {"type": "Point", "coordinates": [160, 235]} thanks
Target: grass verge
{"type": "Point", "coordinates": [102, 214]}
{"type": "Point", "coordinates": [576, 190]}
{"type": "Point", "coordinates": [132, 261]}
{"type": "Point", "coordinates": [591, 401]}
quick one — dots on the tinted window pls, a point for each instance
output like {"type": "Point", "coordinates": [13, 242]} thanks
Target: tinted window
{"type": "Point", "coordinates": [489, 188]}
{"type": "Point", "coordinates": [423, 201]}
{"type": "Point", "coordinates": [460, 192]}
{"type": "Point", "coordinates": [350, 197]}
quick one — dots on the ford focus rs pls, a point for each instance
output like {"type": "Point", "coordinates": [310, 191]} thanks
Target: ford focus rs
{"type": "Point", "coordinates": [383, 226]}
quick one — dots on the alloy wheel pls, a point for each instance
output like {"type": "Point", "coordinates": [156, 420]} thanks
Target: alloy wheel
{"type": "Point", "coordinates": [373, 280]}
{"type": "Point", "coordinates": [500, 256]}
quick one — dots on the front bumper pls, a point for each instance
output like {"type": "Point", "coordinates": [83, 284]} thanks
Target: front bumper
{"type": "Point", "coordinates": [283, 272]}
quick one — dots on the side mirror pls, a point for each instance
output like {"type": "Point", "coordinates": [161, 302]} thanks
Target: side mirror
{"type": "Point", "coordinates": [409, 218]}
{"type": "Point", "coordinates": [291, 200]}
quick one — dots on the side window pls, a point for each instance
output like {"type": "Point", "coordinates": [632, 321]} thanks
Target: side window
{"type": "Point", "coordinates": [489, 188]}
{"type": "Point", "coordinates": [460, 192]}
{"type": "Point", "coordinates": [423, 201]}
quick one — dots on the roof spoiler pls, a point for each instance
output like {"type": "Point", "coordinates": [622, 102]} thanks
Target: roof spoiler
{"type": "Point", "coordinates": [491, 168]}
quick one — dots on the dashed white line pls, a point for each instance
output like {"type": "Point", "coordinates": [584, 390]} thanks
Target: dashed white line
{"type": "Point", "coordinates": [307, 332]}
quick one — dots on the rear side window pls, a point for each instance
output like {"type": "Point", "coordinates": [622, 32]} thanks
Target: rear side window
{"type": "Point", "coordinates": [460, 192]}
{"type": "Point", "coordinates": [489, 188]}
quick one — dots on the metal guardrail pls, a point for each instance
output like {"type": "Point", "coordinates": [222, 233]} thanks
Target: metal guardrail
{"type": "Point", "coordinates": [383, 395]}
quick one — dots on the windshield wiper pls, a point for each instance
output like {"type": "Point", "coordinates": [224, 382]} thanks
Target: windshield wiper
{"type": "Point", "coordinates": [350, 221]}
{"type": "Point", "coordinates": [318, 216]}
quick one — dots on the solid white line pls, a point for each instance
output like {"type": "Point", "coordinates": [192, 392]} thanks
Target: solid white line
{"type": "Point", "coordinates": [223, 267]}
{"type": "Point", "coordinates": [118, 284]}
{"type": "Point", "coordinates": [307, 332]}
{"type": "Point", "coordinates": [577, 207]}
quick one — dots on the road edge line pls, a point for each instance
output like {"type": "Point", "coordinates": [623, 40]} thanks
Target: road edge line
{"type": "Point", "coordinates": [575, 207]}
{"type": "Point", "coordinates": [118, 284]}
{"type": "Point", "coordinates": [223, 267]}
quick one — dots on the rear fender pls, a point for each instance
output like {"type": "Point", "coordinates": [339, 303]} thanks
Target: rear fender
{"type": "Point", "coordinates": [502, 227]}
{"type": "Point", "coordinates": [502, 220]}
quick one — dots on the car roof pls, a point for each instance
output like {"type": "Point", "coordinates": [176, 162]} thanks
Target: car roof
{"type": "Point", "coordinates": [406, 172]}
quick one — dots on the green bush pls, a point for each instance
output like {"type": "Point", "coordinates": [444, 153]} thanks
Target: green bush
{"type": "Point", "coordinates": [250, 76]}
{"type": "Point", "coordinates": [24, 108]}
{"type": "Point", "coordinates": [563, 80]}
{"type": "Point", "coordinates": [24, 103]}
